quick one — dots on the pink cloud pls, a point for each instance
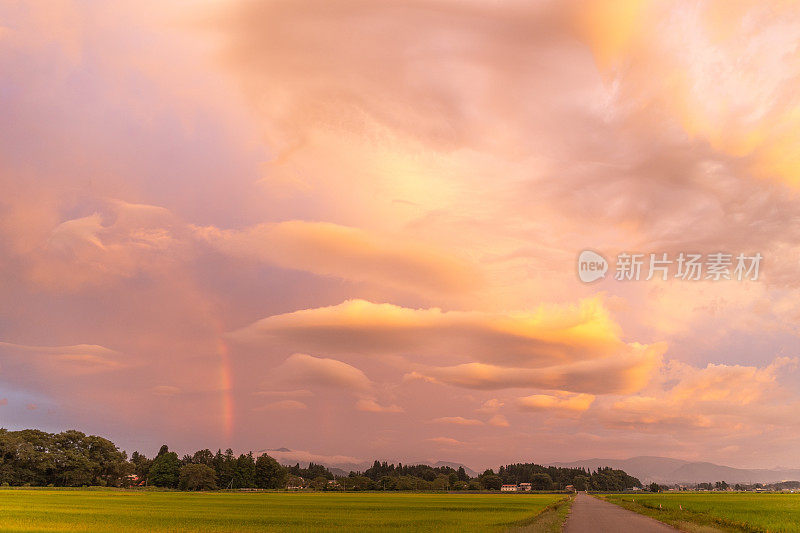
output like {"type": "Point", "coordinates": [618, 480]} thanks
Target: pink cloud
{"type": "Point", "coordinates": [499, 421]}
{"type": "Point", "coordinates": [319, 179]}
{"type": "Point", "coordinates": [302, 368]}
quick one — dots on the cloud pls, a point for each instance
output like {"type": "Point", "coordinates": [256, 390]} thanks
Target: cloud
{"type": "Point", "coordinates": [490, 406]}
{"type": "Point", "coordinates": [716, 396]}
{"type": "Point", "coordinates": [445, 441]}
{"type": "Point", "coordinates": [729, 72]}
{"type": "Point", "coordinates": [620, 375]}
{"type": "Point", "coordinates": [547, 336]}
{"type": "Point", "coordinates": [309, 370]}
{"type": "Point", "coordinates": [118, 241]}
{"type": "Point", "coordinates": [499, 421]}
{"type": "Point", "coordinates": [371, 406]}
{"type": "Point", "coordinates": [75, 360]}
{"type": "Point", "coordinates": [457, 420]}
{"type": "Point", "coordinates": [548, 402]}
{"type": "Point", "coordinates": [449, 159]}
{"type": "Point", "coordinates": [349, 253]}
{"type": "Point", "coordinates": [575, 348]}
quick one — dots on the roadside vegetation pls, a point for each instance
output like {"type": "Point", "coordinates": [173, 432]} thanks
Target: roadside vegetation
{"type": "Point", "coordinates": [550, 520]}
{"type": "Point", "coordinates": [720, 511]}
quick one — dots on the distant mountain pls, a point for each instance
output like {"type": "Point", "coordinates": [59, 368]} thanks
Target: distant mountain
{"type": "Point", "coordinates": [342, 465]}
{"type": "Point", "coordinates": [666, 470]}
{"type": "Point", "coordinates": [455, 466]}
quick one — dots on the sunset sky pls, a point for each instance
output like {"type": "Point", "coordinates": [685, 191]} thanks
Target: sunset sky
{"type": "Point", "coordinates": [350, 228]}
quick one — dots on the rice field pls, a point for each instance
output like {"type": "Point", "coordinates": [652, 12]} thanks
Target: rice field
{"type": "Point", "coordinates": [117, 510]}
{"type": "Point", "coordinates": [738, 511]}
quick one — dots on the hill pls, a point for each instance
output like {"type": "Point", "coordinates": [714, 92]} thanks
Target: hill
{"type": "Point", "coordinates": [667, 470]}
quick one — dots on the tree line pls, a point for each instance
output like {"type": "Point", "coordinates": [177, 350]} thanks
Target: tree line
{"type": "Point", "coordinates": [552, 477]}
{"type": "Point", "coordinates": [73, 459]}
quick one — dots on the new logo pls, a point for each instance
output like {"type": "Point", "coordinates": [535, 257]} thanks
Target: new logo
{"type": "Point", "coordinates": [591, 266]}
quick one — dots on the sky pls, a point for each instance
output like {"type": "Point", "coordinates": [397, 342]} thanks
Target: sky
{"type": "Point", "coordinates": [351, 229]}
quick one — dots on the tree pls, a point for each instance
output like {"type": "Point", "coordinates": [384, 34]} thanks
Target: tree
{"type": "Point", "coordinates": [269, 474]}
{"type": "Point", "coordinates": [319, 483]}
{"type": "Point", "coordinates": [442, 482]}
{"type": "Point", "coordinates": [109, 465]}
{"type": "Point", "coordinates": [490, 480]}
{"type": "Point", "coordinates": [197, 477]}
{"type": "Point", "coordinates": [203, 457]}
{"type": "Point", "coordinates": [141, 465]}
{"type": "Point", "coordinates": [165, 470]}
{"type": "Point", "coordinates": [581, 482]}
{"type": "Point", "coordinates": [654, 487]}
{"type": "Point", "coordinates": [541, 482]}
{"type": "Point", "coordinates": [245, 471]}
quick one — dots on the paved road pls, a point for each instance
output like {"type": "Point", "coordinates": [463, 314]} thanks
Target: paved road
{"type": "Point", "coordinates": [590, 515]}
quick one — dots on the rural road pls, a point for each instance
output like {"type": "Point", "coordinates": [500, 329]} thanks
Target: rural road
{"type": "Point", "coordinates": [590, 515]}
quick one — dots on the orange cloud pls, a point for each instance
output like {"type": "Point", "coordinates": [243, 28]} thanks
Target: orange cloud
{"type": "Point", "coordinates": [548, 402]}
{"type": "Point", "coordinates": [447, 441]}
{"type": "Point", "coordinates": [349, 253]}
{"type": "Point", "coordinates": [544, 337]}
{"type": "Point", "coordinates": [727, 71]}
{"type": "Point", "coordinates": [457, 420]}
{"type": "Point", "coordinates": [371, 406]}
{"type": "Point", "coordinates": [717, 396]}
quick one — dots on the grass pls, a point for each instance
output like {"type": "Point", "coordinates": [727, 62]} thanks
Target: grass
{"type": "Point", "coordinates": [550, 520]}
{"type": "Point", "coordinates": [117, 510]}
{"type": "Point", "coordinates": [733, 512]}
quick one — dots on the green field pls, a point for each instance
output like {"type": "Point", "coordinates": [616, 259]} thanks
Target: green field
{"type": "Point", "coordinates": [118, 510]}
{"type": "Point", "coordinates": [736, 511]}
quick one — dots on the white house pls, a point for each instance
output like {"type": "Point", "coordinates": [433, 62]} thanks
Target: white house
{"type": "Point", "coordinates": [508, 488]}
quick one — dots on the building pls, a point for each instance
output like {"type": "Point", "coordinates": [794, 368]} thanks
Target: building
{"type": "Point", "coordinates": [525, 487]}
{"type": "Point", "coordinates": [508, 488]}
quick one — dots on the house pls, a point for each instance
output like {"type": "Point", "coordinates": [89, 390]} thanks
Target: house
{"type": "Point", "coordinates": [570, 488]}
{"type": "Point", "coordinates": [508, 488]}
{"type": "Point", "coordinates": [524, 487]}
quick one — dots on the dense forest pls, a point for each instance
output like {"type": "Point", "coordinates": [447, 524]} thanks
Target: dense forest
{"type": "Point", "coordinates": [73, 459]}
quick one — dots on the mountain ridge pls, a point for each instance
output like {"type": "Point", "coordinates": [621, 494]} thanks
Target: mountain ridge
{"type": "Point", "coordinates": [669, 470]}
